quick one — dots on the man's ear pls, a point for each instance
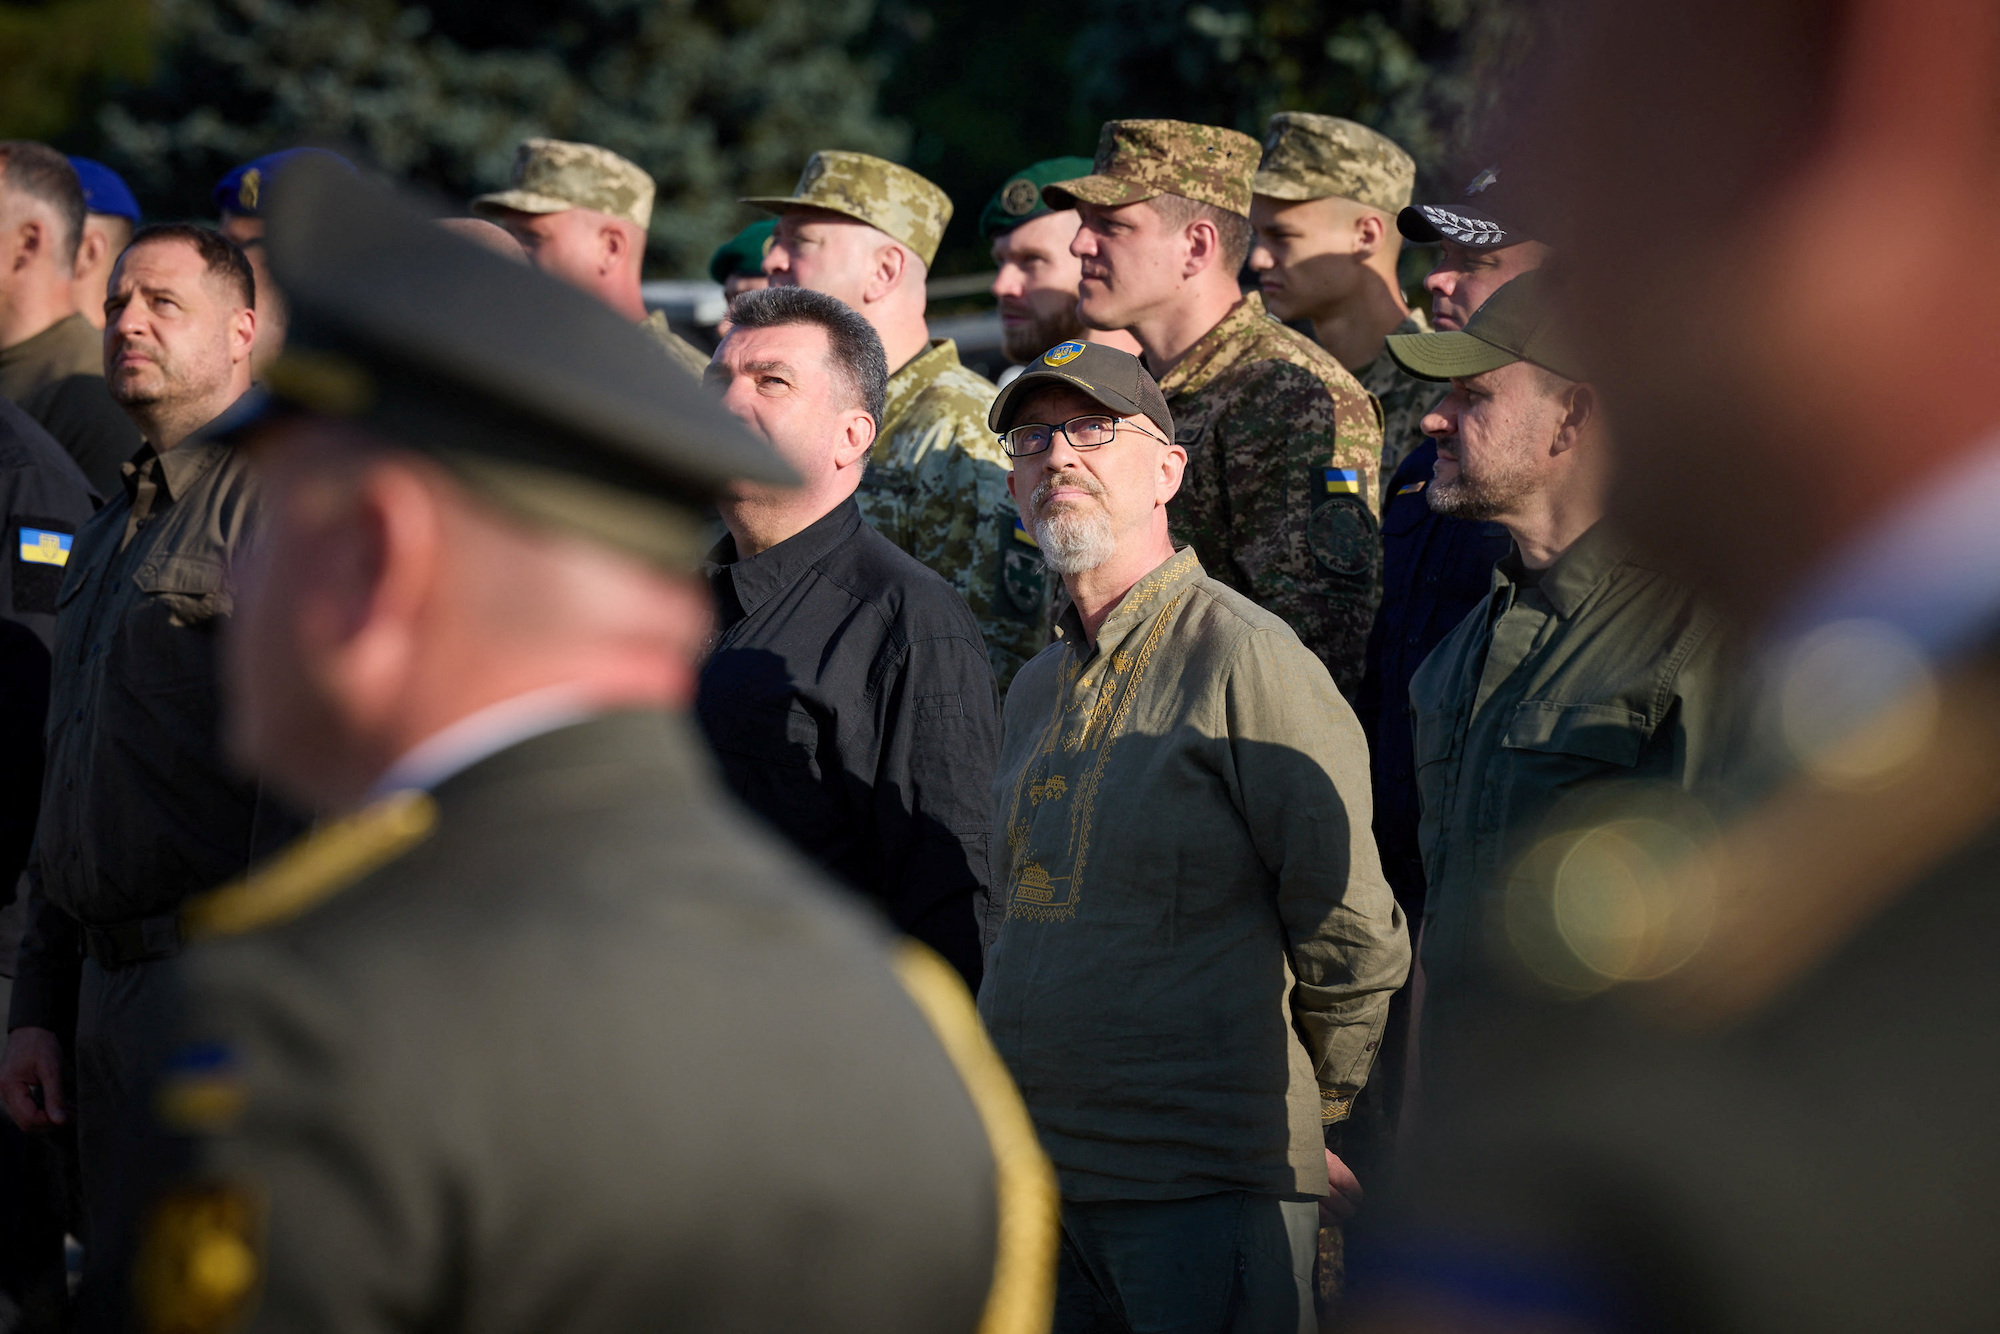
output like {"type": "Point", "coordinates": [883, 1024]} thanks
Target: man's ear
{"type": "Point", "coordinates": [1579, 416]}
{"type": "Point", "coordinates": [1370, 230]}
{"type": "Point", "coordinates": [1173, 466]}
{"type": "Point", "coordinates": [614, 247]}
{"type": "Point", "coordinates": [1204, 246]}
{"type": "Point", "coordinates": [885, 270]}
{"type": "Point", "coordinates": [242, 334]}
{"type": "Point", "coordinates": [855, 441]}
{"type": "Point", "coordinates": [90, 249]}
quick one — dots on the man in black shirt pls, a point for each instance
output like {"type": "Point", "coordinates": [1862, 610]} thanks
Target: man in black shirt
{"type": "Point", "coordinates": [848, 697]}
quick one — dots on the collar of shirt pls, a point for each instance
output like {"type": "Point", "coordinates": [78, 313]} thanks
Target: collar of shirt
{"type": "Point", "coordinates": [1929, 570]}
{"type": "Point", "coordinates": [755, 580]}
{"type": "Point", "coordinates": [459, 746]}
{"type": "Point", "coordinates": [1209, 356]}
{"type": "Point", "coordinates": [913, 377]}
{"type": "Point", "coordinates": [180, 467]}
{"type": "Point", "coordinates": [1140, 601]}
{"type": "Point", "coordinates": [1569, 582]}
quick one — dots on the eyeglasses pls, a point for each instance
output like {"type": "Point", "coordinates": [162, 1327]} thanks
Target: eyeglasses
{"type": "Point", "coordinates": [1082, 433]}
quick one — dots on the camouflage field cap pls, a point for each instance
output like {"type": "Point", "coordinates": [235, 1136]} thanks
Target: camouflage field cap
{"type": "Point", "coordinates": [1020, 199]}
{"type": "Point", "coordinates": [1308, 156]}
{"type": "Point", "coordinates": [1137, 159]}
{"type": "Point", "coordinates": [873, 190]}
{"type": "Point", "coordinates": [554, 176]}
{"type": "Point", "coordinates": [1517, 323]}
{"type": "Point", "coordinates": [1112, 376]}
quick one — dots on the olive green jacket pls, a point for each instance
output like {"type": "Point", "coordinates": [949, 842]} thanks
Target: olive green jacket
{"type": "Point", "coordinates": [1602, 672]}
{"type": "Point", "coordinates": [1195, 945]}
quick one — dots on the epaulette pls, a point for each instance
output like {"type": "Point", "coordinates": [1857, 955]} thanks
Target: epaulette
{"type": "Point", "coordinates": [317, 866]}
{"type": "Point", "coordinates": [1021, 1298]}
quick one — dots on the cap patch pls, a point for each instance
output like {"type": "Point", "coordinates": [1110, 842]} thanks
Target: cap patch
{"type": "Point", "coordinates": [249, 188]}
{"type": "Point", "coordinates": [1483, 181]}
{"type": "Point", "coordinates": [1466, 231]}
{"type": "Point", "coordinates": [1062, 354]}
{"type": "Point", "coordinates": [1020, 197]}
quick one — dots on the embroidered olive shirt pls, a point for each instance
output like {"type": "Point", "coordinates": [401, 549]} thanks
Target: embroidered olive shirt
{"type": "Point", "coordinates": [1195, 947]}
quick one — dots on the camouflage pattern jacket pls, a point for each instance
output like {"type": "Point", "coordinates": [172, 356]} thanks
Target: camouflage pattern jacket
{"type": "Point", "coordinates": [936, 486]}
{"type": "Point", "coordinates": [678, 349]}
{"type": "Point", "coordinates": [1279, 499]}
{"type": "Point", "coordinates": [1404, 399]}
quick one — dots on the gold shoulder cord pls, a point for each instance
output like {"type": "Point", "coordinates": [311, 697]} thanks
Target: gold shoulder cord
{"type": "Point", "coordinates": [314, 868]}
{"type": "Point", "coordinates": [1022, 1297]}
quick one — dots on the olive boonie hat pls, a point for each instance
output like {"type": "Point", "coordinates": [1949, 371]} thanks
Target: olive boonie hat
{"type": "Point", "coordinates": [1490, 214]}
{"type": "Point", "coordinates": [1308, 156]}
{"type": "Point", "coordinates": [554, 176]}
{"type": "Point", "coordinates": [1020, 199]}
{"type": "Point", "coordinates": [1116, 379]}
{"type": "Point", "coordinates": [1138, 159]}
{"type": "Point", "coordinates": [533, 393]}
{"type": "Point", "coordinates": [743, 253]}
{"type": "Point", "coordinates": [1517, 323]}
{"type": "Point", "coordinates": [887, 197]}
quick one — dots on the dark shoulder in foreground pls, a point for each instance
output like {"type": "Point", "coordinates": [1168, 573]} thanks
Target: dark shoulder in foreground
{"type": "Point", "coordinates": [913, 600]}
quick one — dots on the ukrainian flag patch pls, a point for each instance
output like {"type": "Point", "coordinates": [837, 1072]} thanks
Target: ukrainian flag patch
{"type": "Point", "coordinates": [1342, 481]}
{"type": "Point", "coordinates": [201, 1090]}
{"type": "Point", "coordinates": [1023, 536]}
{"type": "Point", "coordinates": [1411, 488]}
{"type": "Point", "coordinates": [40, 546]}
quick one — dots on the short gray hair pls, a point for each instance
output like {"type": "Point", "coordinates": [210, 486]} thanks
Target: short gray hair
{"type": "Point", "coordinates": [852, 346]}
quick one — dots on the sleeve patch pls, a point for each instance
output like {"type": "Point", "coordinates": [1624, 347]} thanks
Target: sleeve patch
{"type": "Point", "coordinates": [41, 549]}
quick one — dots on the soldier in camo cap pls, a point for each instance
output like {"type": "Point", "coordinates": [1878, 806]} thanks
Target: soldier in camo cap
{"type": "Point", "coordinates": [581, 213]}
{"type": "Point", "coordinates": [1279, 497]}
{"type": "Point", "coordinates": [1327, 194]}
{"type": "Point", "coordinates": [865, 230]}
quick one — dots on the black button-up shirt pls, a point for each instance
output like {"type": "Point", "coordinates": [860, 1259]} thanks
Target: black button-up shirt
{"type": "Point", "coordinates": [850, 703]}
{"type": "Point", "coordinates": [139, 808]}
{"type": "Point", "coordinates": [1434, 571]}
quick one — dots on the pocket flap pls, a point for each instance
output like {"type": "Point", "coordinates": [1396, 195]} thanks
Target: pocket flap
{"type": "Point", "coordinates": [780, 734]}
{"type": "Point", "coordinates": [1603, 732]}
{"type": "Point", "coordinates": [194, 587]}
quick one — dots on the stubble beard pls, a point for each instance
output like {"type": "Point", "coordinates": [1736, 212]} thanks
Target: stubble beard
{"type": "Point", "coordinates": [1498, 491]}
{"type": "Point", "coordinates": [1074, 535]}
{"type": "Point", "coordinates": [1023, 344]}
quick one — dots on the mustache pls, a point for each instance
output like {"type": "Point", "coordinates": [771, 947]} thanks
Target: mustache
{"type": "Point", "coordinates": [1081, 481]}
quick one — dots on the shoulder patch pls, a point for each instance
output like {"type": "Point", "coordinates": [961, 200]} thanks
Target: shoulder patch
{"type": "Point", "coordinates": [1021, 1299]}
{"type": "Point", "coordinates": [317, 866]}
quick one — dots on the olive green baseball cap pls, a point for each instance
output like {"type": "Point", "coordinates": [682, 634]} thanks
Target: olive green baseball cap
{"type": "Point", "coordinates": [1020, 199]}
{"type": "Point", "coordinates": [1114, 378]}
{"type": "Point", "coordinates": [1139, 159]}
{"type": "Point", "coordinates": [1518, 323]}
{"type": "Point", "coordinates": [554, 176]}
{"type": "Point", "coordinates": [1309, 156]}
{"type": "Point", "coordinates": [533, 394]}
{"type": "Point", "coordinates": [888, 197]}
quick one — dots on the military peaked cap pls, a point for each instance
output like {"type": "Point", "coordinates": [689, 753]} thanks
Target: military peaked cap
{"type": "Point", "coordinates": [533, 392]}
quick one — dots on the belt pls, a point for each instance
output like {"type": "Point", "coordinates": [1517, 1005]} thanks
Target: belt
{"type": "Point", "coordinates": [140, 940]}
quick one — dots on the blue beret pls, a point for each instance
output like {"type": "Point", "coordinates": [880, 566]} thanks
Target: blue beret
{"type": "Point", "coordinates": [104, 190]}
{"type": "Point", "coordinates": [242, 191]}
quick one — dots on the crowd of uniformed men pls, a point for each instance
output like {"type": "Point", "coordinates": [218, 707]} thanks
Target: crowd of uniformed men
{"type": "Point", "coordinates": [522, 823]}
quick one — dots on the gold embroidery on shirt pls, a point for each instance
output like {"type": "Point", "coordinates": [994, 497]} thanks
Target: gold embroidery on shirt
{"type": "Point", "coordinates": [1048, 789]}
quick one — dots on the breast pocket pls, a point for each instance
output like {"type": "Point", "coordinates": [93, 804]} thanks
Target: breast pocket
{"type": "Point", "coordinates": [1555, 749]}
{"type": "Point", "coordinates": [169, 634]}
{"type": "Point", "coordinates": [780, 735]}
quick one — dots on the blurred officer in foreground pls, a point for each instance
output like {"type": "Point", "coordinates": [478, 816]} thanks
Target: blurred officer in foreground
{"type": "Point", "coordinates": [847, 695]}
{"type": "Point", "coordinates": [1791, 1128]}
{"type": "Point", "coordinates": [1282, 443]}
{"type": "Point", "coordinates": [866, 230]}
{"type": "Point", "coordinates": [581, 212]}
{"type": "Point", "coordinates": [239, 209]}
{"type": "Point", "coordinates": [541, 1034]}
{"type": "Point", "coordinates": [1584, 670]}
{"type": "Point", "coordinates": [1197, 948]}
{"type": "Point", "coordinates": [1036, 285]}
{"type": "Point", "coordinates": [139, 809]}
{"type": "Point", "coordinates": [1327, 195]}
{"type": "Point", "coordinates": [51, 359]}
{"type": "Point", "coordinates": [111, 212]}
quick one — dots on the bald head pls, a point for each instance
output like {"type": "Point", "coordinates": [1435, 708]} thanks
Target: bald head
{"type": "Point", "coordinates": [491, 235]}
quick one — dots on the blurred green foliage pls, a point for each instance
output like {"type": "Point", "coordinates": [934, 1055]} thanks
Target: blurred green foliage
{"type": "Point", "coordinates": [719, 98]}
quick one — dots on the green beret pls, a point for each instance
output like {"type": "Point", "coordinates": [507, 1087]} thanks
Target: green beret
{"type": "Point", "coordinates": [742, 255]}
{"type": "Point", "coordinates": [1021, 197]}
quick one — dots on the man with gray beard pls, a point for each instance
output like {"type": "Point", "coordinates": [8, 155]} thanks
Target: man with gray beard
{"type": "Point", "coordinates": [1583, 680]}
{"type": "Point", "coordinates": [1191, 947]}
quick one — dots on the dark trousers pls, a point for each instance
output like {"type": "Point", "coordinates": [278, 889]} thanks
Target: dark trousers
{"type": "Point", "coordinates": [120, 1022]}
{"type": "Point", "coordinates": [1232, 1263]}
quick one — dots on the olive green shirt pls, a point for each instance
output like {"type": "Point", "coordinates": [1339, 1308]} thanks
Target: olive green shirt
{"type": "Point", "coordinates": [936, 486]}
{"type": "Point", "coordinates": [57, 377]}
{"type": "Point", "coordinates": [1599, 671]}
{"type": "Point", "coordinates": [1193, 947]}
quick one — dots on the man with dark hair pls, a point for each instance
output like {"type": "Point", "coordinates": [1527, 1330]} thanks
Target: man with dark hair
{"type": "Point", "coordinates": [51, 358]}
{"type": "Point", "coordinates": [848, 698]}
{"type": "Point", "coordinates": [1282, 443]}
{"type": "Point", "coordinates": [1037, 276]}
{"type": "Point", "coordinates": [112, 212]}
{"type": "Point", "coordinates": [139, 808]}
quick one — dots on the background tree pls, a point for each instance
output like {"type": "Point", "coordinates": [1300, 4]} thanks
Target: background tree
{"type": "Point", "coordinates": [56, 55]}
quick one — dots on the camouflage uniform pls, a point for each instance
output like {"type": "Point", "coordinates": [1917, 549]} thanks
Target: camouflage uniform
{"type": "Point", "coordinates": [1279, 499]}
{"type": "Point", "coordinates": [1404, 398]}
{"type": "Point", "coordinates": [936, 483]}
{"type": "Point", "coordinates": [554, 176]}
